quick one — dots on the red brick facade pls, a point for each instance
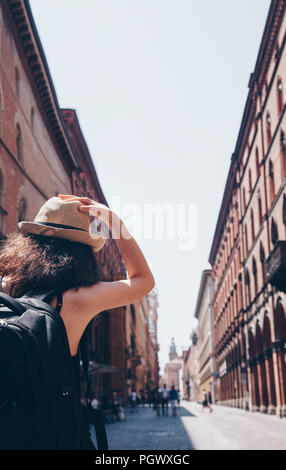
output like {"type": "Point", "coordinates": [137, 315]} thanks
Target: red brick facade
{"type": "Point", "coordinates": [43, 153]}
{"type": "Point", "coordinates": [249, 310]}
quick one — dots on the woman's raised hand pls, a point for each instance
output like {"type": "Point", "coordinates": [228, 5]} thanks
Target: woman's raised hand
{"type": "Point", "coordinates": [93, 208]}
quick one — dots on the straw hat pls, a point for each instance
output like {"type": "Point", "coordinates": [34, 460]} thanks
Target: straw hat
{"type": "Point", "coordinates": [62, 219]}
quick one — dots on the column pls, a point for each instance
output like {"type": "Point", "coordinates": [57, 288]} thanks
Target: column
{"type": "Point", "coordinates": [270, 383]}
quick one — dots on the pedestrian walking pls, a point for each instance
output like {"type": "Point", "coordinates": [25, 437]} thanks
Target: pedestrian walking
{"type": "Point", "coordinates": [133, 401]}
{"type": "Point", "coordinates": [157, 401]}
{"type": "Point", "coordinates": [205, 402]}
{"type": "Point", "coordinates": [50, 264]}
{"type": "Point", "coordinates": [164, 400]}
{"type": "Point", "coordinates": [173, 400]}
{"type": "Point", "coordinates": [179, 398]}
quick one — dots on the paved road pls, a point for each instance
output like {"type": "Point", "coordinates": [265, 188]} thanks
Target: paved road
{"type": "Point", "coordinates": [225, 428]}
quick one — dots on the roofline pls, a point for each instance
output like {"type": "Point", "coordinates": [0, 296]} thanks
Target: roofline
{"type": "Point", "coordinates": [32, 55]}
{"type": "Point", "coordinates": [271, 29]}
{"type": "Point", "coordinates": [205, 274]}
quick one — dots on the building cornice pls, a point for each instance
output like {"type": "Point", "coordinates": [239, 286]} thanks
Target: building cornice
{"type": "Point", "coordinates": [205, 275]}
{"type": "Point", "coordinates": [269, 37]}
{"type": "Point", "coordinates": [21, 23]}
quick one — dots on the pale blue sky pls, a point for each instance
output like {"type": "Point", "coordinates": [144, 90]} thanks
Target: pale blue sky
{"type": "Point", "coordinates": [159, 87]}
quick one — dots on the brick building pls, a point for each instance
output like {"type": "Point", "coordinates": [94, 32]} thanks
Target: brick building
{"type": "Point", "coordinates": [141, 344]}
{"type": "Point", "coordinates": [153, 346]}
{"type": "Point", "coordinates": [204, 315]}
{"type": "Point", "coordinates": [43, 153]}
{"type": "Point", "coordinates": [107, 331]}
{"type": "Point", "coordinates": [173, 371]}
{"type": "Point", "coordinates": [191, 370]}
{"type": "Point", "coordinates": [248, 250]}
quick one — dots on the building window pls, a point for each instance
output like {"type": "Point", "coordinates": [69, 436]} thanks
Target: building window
{"type": "Point", "coordinates": [262, 259]}
{"type": "Point", "coordinates": [19, 143]}
{"type": "Point", "coordinates": [244, 198]}
{"type": "Point", "coordinates": [257, 162]}
{"type": "Point", "coordinates": [22, 210]}
{"type": "Point", "coordinates": [280, 103]}
{"type": "Point", "coordinates": [268, 129]}
{"type": "Point", "coordinates": [32, 117]}
{"type": "Point", "coordinates": [259, 207]}
{"type": "Point", "coordinates": [274, 231]}
{"type": "Point", "coordinates": [247, 283]}
{"type": "Point", "coordinates": [17, 82]}
{"type": "Point", "coordinates": [250, 181]}
{"type": "Point", "coordinates": [283, 151]}
{"type": "Point", "coordinates": [254, 270]}
{"type": "Point", "coordinates": [271, 181]}
{"type": "Point", "coordinates": [246, 239]}
{"type": "Point", "coordinates": [133, 314]}
{"type": "Point", "coordinates": [252, 225]}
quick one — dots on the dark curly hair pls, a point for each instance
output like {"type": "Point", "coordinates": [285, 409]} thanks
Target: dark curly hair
{"type": "Point", "coordinates": [38, 264]}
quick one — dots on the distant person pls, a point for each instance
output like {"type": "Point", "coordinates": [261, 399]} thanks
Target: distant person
{"type": "Point", "coordinates": [94, 403]}
{"type": "Point", "coordinates": [150, 397]}
{"type": "Point", "coordinates": [157, 401]}
{"type": "Point", "coordinates": [179, 398]}
{"type": "Point", "coordinates": [174, 400]}
{"type": "Point", "coordinates": [205, 403]}
{"type": "Point", "coordinates": [164, 399]}
{"type": "Point", "coordinates": [133, 401]}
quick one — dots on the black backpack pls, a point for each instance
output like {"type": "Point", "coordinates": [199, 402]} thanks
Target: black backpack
{"type": "Point", "coordinates": [40, 405]}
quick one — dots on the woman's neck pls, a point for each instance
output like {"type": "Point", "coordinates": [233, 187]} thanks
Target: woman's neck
{"type": "Point", "coordinates": [5, 285]}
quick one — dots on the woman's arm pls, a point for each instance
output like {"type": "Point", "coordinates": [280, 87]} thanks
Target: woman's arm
{"type": "Point", "coordinates": [107, 295]}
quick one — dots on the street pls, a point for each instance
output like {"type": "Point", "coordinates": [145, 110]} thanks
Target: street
{"type": "Point", "coordinates": [224, 429]}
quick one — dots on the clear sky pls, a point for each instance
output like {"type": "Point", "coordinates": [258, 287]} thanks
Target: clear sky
{"type": "Point", "coordinates": [159, 87]}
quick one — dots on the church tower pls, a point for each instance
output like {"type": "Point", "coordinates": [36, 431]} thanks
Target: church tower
{"type": "Point", "coordinates": [173, 351]}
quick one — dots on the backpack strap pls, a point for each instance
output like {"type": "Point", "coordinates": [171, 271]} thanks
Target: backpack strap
{"type": "Point", "coordinates": [47, 297]}
{"type": "Point", "coordinates": [11, 303]}
{"type": "Point", "coordinates": [84, 353]}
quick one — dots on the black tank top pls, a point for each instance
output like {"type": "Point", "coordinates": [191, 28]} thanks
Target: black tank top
{"type": "Point", "coordinates": [76, 371]}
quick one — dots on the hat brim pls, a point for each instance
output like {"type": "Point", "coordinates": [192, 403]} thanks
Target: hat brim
{"type": "Point", "coordinates": [68, 234]}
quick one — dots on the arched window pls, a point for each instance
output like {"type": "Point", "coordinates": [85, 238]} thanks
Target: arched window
{"type": "Point", "coordinates": [247, 283]}
{"type": "Point", "coordinates": [262, 260]}
{"type": "Point", "coordinates": [259, 207]}
{"type": "Point", "coordinates": [19, 143]}
{"type": "Point", "coordinates": [280, 103]}
{"type": "Point", "coordinates": [17, 82]}
{"type": "Point", "coordinates": [268, 129]}
{"type": "Point", "coordinates": [274, 231]}
{"type": "Point", "coordinates": [271, 181]}
{"type": "Point", "coordinates": [22, 210]}
{"type": "Point", "coordinates": [257, 162]}
{"type": "Point", "coordinates": [133, 313]}
{"type": "Point", "coordinates": [244, 198]}
{"type": "Point", "coordinates": [283, 151]}
{"type": "Point", "coordinates": [32, 117]}
{"type": "Point", "coordinates": [250, 181]}
{"type": "Point", "coordinates": [254, 270]}
{"type": "Point", "coordinates": [246, 238]}
{"type": "Point", "coordinates": [252, 225]}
